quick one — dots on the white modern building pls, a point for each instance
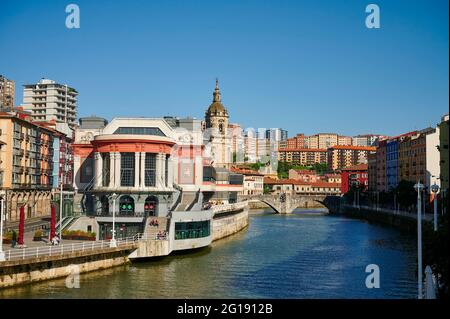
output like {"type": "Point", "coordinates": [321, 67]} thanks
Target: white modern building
{"type": "Point", "coordinates": [48, 100]}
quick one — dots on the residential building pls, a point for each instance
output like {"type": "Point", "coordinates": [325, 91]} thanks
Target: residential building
{"type": "Point", "coordinates": [48, 100]}
{"type": "Point", "coordinates": [381, 166]}
{"type": "Point", "coordinates": [6, 94]}
{"type": "Point", "coordinates": [253, 183]}
{"type": "Point", "coordinates": [292, 187]}
{"type": "Point", "coordinates": [372, 172]}
{"type": "Point", "coordinates": [297, 141]}
{"type": "Point", "coordinates": [303, 156]}
{"type": "Point", "coordinates": [392, 176]}
{"type": "Point", "coordinates": [344, 140]}
{"type": "Point", "coordinates": [237, 142]}
{"type": "Point", "coordinates": [276, 134]}
{"type": "Point", "coordinates": [332, 178]}
{"type": "Point", "coordinates": [356, 175]}
{"type": "Point", "coordinates": [321, 140]}
{"type": "Point", "coordinates": [304, 175]}
{"type": "Point", "coordinates": [342, 156]}
{"type": "Point", "coordinates": [250, 146]}
{"type": "Point", "coordinates": [26, 166]}
{"type": "Point", "coordinates": [367, 139]}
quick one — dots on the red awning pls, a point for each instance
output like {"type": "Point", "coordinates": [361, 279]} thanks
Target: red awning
{"type": "Point", "coordinates": [53, 223]}
{"type": "Point", "coordinates": [21, 225]}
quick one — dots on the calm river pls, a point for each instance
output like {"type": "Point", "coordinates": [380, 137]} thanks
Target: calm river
{"type": "Point", "coordinates": [295, 256]}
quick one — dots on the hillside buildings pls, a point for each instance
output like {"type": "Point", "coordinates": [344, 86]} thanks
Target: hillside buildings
{"type": "Point", "coordinates": [341, 156]}
{"type": "Point", "coordinates": [303, 156]}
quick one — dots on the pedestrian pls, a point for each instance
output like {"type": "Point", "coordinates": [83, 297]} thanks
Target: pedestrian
{"type": "Point", "coordinates": [13, 239]}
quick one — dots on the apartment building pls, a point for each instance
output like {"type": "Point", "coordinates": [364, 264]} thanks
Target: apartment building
{"type": "Point", "coordinates": [342, 156]}
{"type": "Point", "coordinates": [356, 175]}
{"type": "Point", "coordinates": [48, 100]}
{"type": "Point", "coordinates": [303, 156]}
{"type": "Point", "coordinates": [26, 166]}
{"type": "Point", "coordinates": [6, 94]}
{"type": "Point", "coordinates": [367, 139]}
{"type": "Point", "coordinates": [372, 172]}
{"type": "Point", "coordinates": [344, 140]}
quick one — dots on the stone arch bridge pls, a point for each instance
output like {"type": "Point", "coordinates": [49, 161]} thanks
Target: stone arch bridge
{"type": "Point", "coordinates": [286, 203]}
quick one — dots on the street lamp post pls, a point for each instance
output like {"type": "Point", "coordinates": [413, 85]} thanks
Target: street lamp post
{"type": "Point", "coordinates": [419, 187]}
{"type": "Point", "coordinates": [113, 242]}
{"type": "Point", "coordinates": [2, 210]}
{"type": "Point", "coordinates": [435, 190]}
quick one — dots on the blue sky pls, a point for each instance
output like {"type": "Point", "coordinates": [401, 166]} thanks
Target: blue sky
{"type": "Point", "coordinates": [306, 66]}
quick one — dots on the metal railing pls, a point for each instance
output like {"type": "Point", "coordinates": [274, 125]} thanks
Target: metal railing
{"type": "Point", "coordinates": [64, 249]}
{"type": "Point", "coordinates": [229, 207]}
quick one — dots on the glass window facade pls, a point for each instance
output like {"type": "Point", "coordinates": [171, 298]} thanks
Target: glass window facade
{"type": "Point", "coordinates": [190, 230]}
{"type": "Point", "coordinates": [139, 131]}
{"type": "Point", "coordinates": [87, 170]}
{"type": "Point", "coordinates": [126, 169]}
{"type": "Point", "coordinates": [150, 169]}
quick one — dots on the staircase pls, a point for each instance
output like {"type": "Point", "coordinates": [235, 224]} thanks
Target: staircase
{"type": "Point", "coordinates": [151, 232]}
{"type": "Point", "coordinates": [186, 201]}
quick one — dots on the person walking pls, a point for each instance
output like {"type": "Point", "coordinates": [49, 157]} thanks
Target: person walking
{"type": "Point", "coordinates": [13, 239]}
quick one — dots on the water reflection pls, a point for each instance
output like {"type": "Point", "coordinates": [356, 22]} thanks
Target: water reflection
{"type": "Point", "coordinates": [303, 255]}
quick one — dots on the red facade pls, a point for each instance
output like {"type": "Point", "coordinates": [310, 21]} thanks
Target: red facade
{"type": "Point", "coordinates": [357, 174]}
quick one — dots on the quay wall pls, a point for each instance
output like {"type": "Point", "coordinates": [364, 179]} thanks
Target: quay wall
{"type": "Point", "coordinates": [226, 225]}
{"type": "Point", "coordinates": [20, 272]}
{"type": "Point", "coordinates": [401, 222]}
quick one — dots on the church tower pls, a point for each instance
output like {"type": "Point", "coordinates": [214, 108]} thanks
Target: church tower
{"type": "Point", "coordinates": [216, 120]}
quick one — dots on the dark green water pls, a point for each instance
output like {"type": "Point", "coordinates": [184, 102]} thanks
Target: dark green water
{"type": "Point", "coordinates": [295, 256]}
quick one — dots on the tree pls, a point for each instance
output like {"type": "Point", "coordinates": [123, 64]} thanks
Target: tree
{"type": "Point", "coordinates": [406, 194]}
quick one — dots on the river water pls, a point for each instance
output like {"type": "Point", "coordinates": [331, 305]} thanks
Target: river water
{"type": "Point", "coordinates": [303, 255]}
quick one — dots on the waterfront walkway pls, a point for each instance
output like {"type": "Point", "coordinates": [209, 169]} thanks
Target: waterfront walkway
{"type": "Point", "coordinates": [68, 247]}
{"type": "Point", "coordinates": [427, 217]}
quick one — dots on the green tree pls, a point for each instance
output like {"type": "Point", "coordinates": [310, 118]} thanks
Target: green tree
{"type": "Point", "coordinates": [406, 194]}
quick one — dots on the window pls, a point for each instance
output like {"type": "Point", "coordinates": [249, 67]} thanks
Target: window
{"type": "Point", "coordinates": [150, 169]}
{"type": "Point", "coordinates": [126, 205]}
{"type": "Point", "coordinates": [192, 230]}
{"type": "Point", "coordinates": [86, 171]}
{"type": "Point", "coordinates": [126, 169]}
{"type": "Point", "coordinates": [139, 131]}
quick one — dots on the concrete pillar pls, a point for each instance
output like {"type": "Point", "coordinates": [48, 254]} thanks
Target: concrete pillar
{"type": "Point", "coordinates": [159, 171]}
{"type": "Point", "coordinates": [163, 170]}
{"type": "Point", "coordinates": [170, 172]}
{"type": "Point", "coordinates": [98, 169]}
{"type": "Point", "coordinates": [142, 172]}
{"type": "Point", "coordinates": [136, 169]}
{"type": "Point", "coordinates": [117, 169]}
{"type": "Point", "coordinates": [111, 169]}
{"type": "Point", "coordinates": [198, 162]}
{"type": "Point", "coordinates": [76, 171]}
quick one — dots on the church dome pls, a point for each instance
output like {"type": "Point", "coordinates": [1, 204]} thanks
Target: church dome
{"type": "Point", "coordinates": [216, 107]}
